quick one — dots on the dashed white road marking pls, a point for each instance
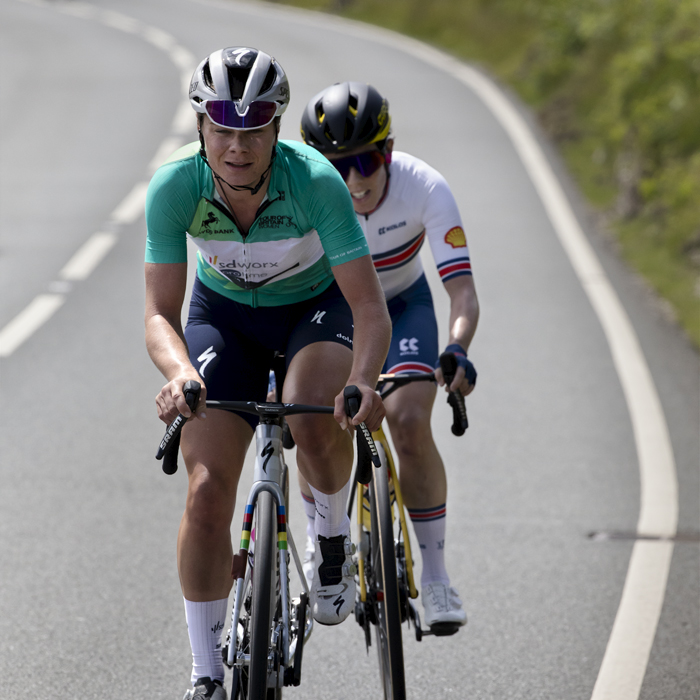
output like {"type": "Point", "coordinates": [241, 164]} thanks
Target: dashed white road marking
{"type": "Point", "coordinates": [95, 249]}
{"type": "Point", "coordinates": [22, 326]}
{"type": "Point", "coordinates": [165, 150]}
{"type": "Point", "coordinates": [131, 206]}
{"type": "Point", "coordinates": [88, 256]}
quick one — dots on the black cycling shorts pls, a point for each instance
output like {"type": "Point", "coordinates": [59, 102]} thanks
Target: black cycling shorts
{"type": "Point", "coordinates": [414, 335]}
{"type": "Point", "coordinates": [232, 345]}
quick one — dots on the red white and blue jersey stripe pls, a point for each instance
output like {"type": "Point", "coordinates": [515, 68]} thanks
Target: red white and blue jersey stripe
{"type": "Point", "coordinates": [418, 205]}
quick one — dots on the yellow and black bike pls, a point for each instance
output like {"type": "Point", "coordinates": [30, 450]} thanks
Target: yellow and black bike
{"type": "Point", "coordinates": [385, 564]}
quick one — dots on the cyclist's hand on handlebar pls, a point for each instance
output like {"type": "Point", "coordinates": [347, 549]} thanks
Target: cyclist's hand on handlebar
{"type": "Point", "coordinates": [171, 399]}
{"type": "Point", "coordinates": [371, 409]}
{"type": "Point", "coordinates": [465, 376]}
{"type": "Point", "coordinates": [460, 382]}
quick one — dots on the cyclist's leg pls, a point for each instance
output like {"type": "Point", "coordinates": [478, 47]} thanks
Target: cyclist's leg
{"type": "Point", "coordinates": [214, 450]}
{"type": "Point", "coordinates": [414, 347]}
{"type": "Point", "coordinates": [422, 472]}
{"type": "Point", "coordinates": [320, 359]}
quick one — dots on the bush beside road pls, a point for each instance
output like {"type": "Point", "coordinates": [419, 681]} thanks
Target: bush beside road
{"type": "Point", "coordinates": [616, 85]}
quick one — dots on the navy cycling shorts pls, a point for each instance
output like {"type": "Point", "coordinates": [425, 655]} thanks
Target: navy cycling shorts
{"type": "Point", "coordinates": [414, 336]}
{"type": "Point", "coordinates": [232, 345]}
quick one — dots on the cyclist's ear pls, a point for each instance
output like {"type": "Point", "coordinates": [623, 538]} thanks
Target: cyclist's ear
{"type": "Point", "coordinates": [388, 148]}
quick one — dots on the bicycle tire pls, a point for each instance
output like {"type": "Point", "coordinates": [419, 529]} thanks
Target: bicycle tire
{"type": "Point", "coordinates": [388, 610]}
{"type": "Point", "coordinates": [261, 604]}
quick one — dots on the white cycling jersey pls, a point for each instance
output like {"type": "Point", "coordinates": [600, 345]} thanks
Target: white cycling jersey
{"type": "Point", "coordinates": [418, 204]}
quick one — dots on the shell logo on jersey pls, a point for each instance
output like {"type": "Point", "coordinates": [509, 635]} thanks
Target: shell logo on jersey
{"type": "Point", "coordinates": [456, 238]}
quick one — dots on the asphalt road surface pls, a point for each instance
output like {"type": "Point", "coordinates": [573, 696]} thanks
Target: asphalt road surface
{"type": "Point", "coordinates": [567, 437]}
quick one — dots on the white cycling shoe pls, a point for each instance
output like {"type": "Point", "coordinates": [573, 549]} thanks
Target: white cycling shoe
{"type": "Point", "coordinates": [206, 689]}
{"type": "Point", "coordinates": [333, 585]}
{"type": "Point", "coordinates": [443, 609]}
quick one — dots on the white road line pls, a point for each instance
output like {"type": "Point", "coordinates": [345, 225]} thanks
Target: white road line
{"type": "Point", "coordinates": [88, 256]}
{"type": "Point", "coordinates": [627, 653]}
{"type": "Point", "coordinates": [622, 672]}
{"type": "Point", "coordinates": [116, 20]}
{"type": "Point", "coordinates": [131, 206]}
{"type": "Point", "coordinates": [184, 122]}
{"type": "Point", "coordinates": [27, 321]}
{"type": "Point", "coordinates": [165, 150]}
{"type": "Point", "coordinates": [93, 251]}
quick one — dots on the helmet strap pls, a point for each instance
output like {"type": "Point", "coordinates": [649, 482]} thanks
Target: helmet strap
{"type": "Point", "coordinates": [202, 148]}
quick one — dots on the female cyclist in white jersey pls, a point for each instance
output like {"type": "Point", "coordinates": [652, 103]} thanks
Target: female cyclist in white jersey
{"type": "Point", "coordinates": [282, 266]}
{"type": "Point", "coordinates": [400, 201]}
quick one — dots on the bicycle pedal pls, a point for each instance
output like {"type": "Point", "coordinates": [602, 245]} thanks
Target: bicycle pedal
{"type": "Point", "coordinates": [443, 629]}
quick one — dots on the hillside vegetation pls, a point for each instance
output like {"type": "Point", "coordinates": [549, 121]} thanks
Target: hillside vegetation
{"type": "Point", "coordinates": [616, 84]}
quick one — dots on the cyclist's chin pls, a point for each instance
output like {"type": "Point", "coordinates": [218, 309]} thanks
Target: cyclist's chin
{"type": "Point", "coordinates": [242, 175]}
{"type": "Point", "coordinates": [366, 204]}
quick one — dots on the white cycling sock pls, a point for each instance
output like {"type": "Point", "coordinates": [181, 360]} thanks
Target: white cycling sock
{"type": "Point", "coordinates": [310, 510]}
{"type": "Point", "coordinates": [429, 526]}
{"type": "Point", "coordinates": [331, 516]}
{"type": "Point", "coordinates": [205, 623]}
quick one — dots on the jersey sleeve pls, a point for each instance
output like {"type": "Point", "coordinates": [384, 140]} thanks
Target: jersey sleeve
{"type": "Point", "coordinates": [332, 215]}
{"type": "Point", "coordinates": [444, 230]}
{"type": "Point", "coordinates": [170, 206]}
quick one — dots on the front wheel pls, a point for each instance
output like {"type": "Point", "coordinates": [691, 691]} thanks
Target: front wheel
{"type": "Point", "coordinates": [386, 600]}
{"type": "Point", "coordinates": [261, 604]}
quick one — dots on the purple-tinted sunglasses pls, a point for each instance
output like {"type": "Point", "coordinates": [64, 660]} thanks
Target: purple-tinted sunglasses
{"type": "Point", "coordinates": [366, 163]}
{"type": "Point", "coordinates": [224, 113]}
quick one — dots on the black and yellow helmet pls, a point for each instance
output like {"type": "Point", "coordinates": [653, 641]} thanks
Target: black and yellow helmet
{"type": "Point", "coordinates": [346, 116]}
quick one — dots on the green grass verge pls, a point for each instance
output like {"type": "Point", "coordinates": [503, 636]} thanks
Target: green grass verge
{"type": "Point", "coordinates": [616, 85]}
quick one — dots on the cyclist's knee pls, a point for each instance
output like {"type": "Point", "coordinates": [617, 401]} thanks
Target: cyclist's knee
{"type": "Point", "coordinates": [210, 503]}
{"type": "Point", "coordinates": [317, 436]}
{"type": "Point", "coordinates": [410, 430]}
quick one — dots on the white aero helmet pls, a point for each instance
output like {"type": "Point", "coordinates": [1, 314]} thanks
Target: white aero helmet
{"type": "Point", "coordinates": [239, 88]}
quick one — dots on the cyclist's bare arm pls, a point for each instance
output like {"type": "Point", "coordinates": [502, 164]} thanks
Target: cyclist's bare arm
{"type": "Point", "coordinates": [165, 340]}
{"type": "Point", "coordinates": [360, 286]}
{"type": "Point", "coordinates": [464, 316]}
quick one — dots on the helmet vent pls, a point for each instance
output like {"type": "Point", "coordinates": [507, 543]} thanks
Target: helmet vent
{"type": "Point", "coordinates": [320, 114]}
{"type": "Point", "coordinates": [367, 130]}
{"type": "Point", "coordinates": [269, 80]}
{"type": "Point", "coordinates": [206, 74]}
{"type": "Point", "coordinates": [349, 128]}
{"type": "Point", "coordinates": [237, 78]}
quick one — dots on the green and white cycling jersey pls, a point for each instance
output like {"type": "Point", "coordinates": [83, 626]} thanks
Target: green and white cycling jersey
{"type": "Point", "coordinates": [305, 226]}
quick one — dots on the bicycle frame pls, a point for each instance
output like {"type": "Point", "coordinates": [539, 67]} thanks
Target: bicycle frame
{"type": "Point", "coordinates": [387, 588]}
{"type": "Point", "coordinates": [380, 437]}
{"type": "Point", "coordinates": [270, 470]}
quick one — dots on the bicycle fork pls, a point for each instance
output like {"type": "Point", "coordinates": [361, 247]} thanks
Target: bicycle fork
{"type": "Point", "coordinates": [268, 476]}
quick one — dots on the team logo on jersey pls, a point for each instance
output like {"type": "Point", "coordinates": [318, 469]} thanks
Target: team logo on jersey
{"type": "Point", "coordinates": [408, 346]}
{"type": "Point", "coordinates": [276, 222]}
{"type": "Point", "coordinates": [211, 219]}
{"type": "Point", "coordinates": [456, 238]}
{"type": "Point", "coordinates": [385, 229]}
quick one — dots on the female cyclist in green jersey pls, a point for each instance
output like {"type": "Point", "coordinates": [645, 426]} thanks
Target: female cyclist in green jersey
{"type": "Point", "coordinates": [282, 266]}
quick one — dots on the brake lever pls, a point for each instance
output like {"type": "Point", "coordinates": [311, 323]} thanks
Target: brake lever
{"type": "Point", "coordinates": [448, 365]}
{"type": "Point", "coordinates": [170, 444]}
